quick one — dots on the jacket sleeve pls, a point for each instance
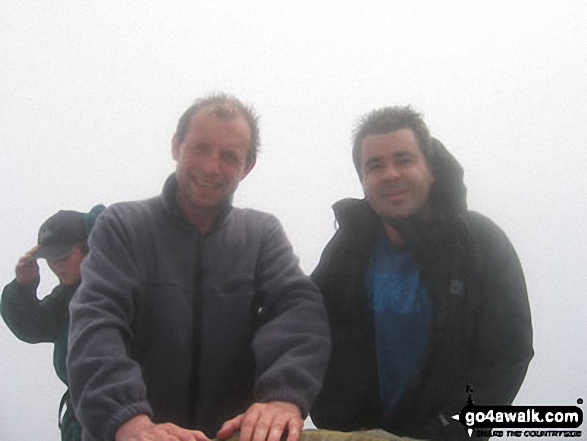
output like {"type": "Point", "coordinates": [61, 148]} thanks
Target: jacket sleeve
{"type": "Point", "coordinates": [106, 385]}
{"type": "Point", "coordinates": [292, 344]}
{"type": "Point", "coordinates": [502, 348]}
{"type": "Point", "coordinates": [30, 319]}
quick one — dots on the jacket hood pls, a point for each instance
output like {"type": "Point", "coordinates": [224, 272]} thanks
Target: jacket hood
{"type": "Point", "coordinates": [448, 193]}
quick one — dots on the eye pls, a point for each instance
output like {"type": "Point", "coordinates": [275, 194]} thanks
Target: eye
{"type": "Point", "coordinates": [404, 159]}
{"type": "Point", "coordinates": [373, 166]}
{"type": "Point", "coordinates": [199, 148]}
{"type": "Point", "coordinates": [230, 158]}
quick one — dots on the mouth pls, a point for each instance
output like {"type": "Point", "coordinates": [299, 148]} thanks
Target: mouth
{"type": "Point", "coordinates": [394, 193]}
{"type": "Point", "coordinates": [207, 184]}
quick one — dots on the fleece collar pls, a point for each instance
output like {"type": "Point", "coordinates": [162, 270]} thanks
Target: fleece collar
{"type": "Point", "coordinates": [168, 197]}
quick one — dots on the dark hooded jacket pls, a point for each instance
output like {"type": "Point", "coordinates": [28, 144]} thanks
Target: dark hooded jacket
{"type": "Point", "coordinates": [481, 333]}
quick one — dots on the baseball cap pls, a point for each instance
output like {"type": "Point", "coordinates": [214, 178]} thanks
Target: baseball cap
{"type": "Point", "coordinates": [59, 234]}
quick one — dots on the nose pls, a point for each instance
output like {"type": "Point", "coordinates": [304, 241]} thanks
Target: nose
{"type": "Point", "coordinates": [55, 265]}
{"type": "Point", "coordinates": [391, 172]}
{"type": "Point", "coordinates": [211, 164]}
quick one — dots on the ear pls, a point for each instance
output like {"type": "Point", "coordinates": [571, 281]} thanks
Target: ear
{"type": "Point", "coordinates": [175, 147]}
{"type": "Point", "coordinates": [248, 167]}
{"type": "Point", "coordinates": [361, 176]}
{"type": "Point", "coordinates": [430, 172]}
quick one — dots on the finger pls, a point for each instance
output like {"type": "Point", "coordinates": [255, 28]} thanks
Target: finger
{"type": "Point", "coordinates": [183, 435]}
{"type": "Point", "coordinates": [30, 252]}
{"type": "Point", "coordinates": [264, 424]}
{"type": "Point", "coordinates": [169, 431]}
{"type": "Point", "coordinates": [294, 427]}
{"type": "Point", "coordinates": [278, 426]}
{"type": "Point", "coordinates": [286, 422]}
{"type": "Point", "coordinates": [26, 272]}
{"type": "Point", "coordinates": [191, 435]}
{"type": "Point", "coordinates": [25, 260]}
{"type": "Point", "coordinates": [200, 436]}
{"type": "Point", "coordinates": [229, 427]}
{"type": "Point", "coordinates": [28, 265]}
{"type": "Point", "coordinates": [248, 424]}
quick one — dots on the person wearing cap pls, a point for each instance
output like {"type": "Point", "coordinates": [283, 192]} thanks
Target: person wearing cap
{"type": "Point", "coordinates": [62, 241]}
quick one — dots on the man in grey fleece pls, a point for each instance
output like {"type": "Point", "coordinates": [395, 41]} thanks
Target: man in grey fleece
{"type": "Point", "coordinates": [194, 319]}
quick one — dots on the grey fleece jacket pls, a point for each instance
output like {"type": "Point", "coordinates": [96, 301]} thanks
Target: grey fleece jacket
{"type": "Point", "coordinates": [191, 328]}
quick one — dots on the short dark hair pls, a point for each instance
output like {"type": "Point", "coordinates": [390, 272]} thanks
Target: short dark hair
{"type": "Point", "coordinates": [224, 106]}
{"type": "Point", "coordinates": [390, 119]}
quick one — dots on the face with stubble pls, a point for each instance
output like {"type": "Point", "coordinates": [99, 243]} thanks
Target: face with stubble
{"type": "Point", "coordinates": [395, 176]}
{"type": "Point", "coordinates": [211, 162]}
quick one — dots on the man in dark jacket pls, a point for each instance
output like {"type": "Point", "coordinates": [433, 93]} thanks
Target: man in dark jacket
{"type": "Point", "coordinates": [193, 319]}
{"type": "Point", "coordinates": [425, 299]}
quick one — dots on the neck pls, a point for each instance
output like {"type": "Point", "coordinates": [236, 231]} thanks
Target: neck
{"type": "Point", "coordinates": [393, 235]}
{"type": "Point", "coordinates": [426, 215]}
{"type": "Point", "coordinates": [202, 219]}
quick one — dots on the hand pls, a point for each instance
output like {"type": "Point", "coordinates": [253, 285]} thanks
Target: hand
{"type": "Point", "coordinates": [141, 428]}
{"type": "Point", "coordinates": [265, 422]}
{"type": "Point", "coordinates": [27, 271]}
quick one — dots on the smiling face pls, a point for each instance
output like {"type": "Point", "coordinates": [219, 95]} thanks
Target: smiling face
{"type": "Point", "coordinates": [67, 268]}
{"type": "Point", "coordinates": [395, 176]}
{"type": "Point", "coordinates": [211, 161]}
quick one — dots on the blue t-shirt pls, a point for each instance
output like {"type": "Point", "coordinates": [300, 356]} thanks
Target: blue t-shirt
{"type": "Point", "coordinates": [401, 309]}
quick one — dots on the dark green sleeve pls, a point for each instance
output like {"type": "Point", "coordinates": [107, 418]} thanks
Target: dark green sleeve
{"type": "Point", "coordinates": [30, 319]}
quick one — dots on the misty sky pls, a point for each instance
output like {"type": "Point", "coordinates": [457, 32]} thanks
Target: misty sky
{"type": "Point", "coordinates": [90, 95]}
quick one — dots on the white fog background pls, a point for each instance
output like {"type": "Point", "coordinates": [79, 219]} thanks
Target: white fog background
{"type": "Point", "coordinates": [90, 93]}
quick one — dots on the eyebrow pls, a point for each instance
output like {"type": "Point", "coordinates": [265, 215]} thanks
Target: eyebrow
{"type": "Point", "coordinates": [198, 143]}
{"type": "Point", "coordinates": [403, 154]}
{"type": "Point", "coordinates": [373, 159]}
{"type": "Point", "coordinates": [397, 155]}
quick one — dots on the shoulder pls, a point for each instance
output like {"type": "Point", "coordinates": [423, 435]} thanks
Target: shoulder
{"type": "Point", "coordinates": [252, 215]}
{"type": "Point", "coordinates": [486, 232]}
{"type": "Point", "coordinates": [131, 214]}
{"type": "Point", "coordinates": [257, 235]}
{"type": "Point", "coordinates": [493, 250]}
{"type": "Point", "coordinates": [347, 251]}
{"type": "Point", "coordinates": [260, 230]}
{"type": "Point", "coordinates": [253, 220]}
{"type": "Point", "coordinates": [129, 222]}
{"type": "Point", "coordinates": [132, 210]}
